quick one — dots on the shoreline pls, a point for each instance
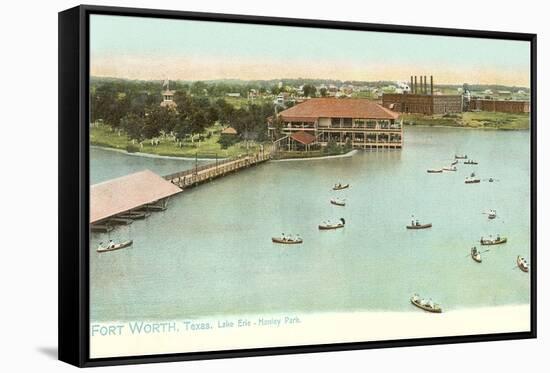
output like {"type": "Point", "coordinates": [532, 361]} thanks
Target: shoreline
{"type": "Point", "coordinates": [225, 332]}
{"type": "Point", "coordinates": [351, 153]}
{"type": "Point", "coordinates": [466, 127]}
{"type": "Point", "coordinates": [151, 155]}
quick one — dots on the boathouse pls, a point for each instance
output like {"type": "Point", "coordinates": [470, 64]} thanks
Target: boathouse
{"type": "Point", "coordinates": [361, 122]}
{"type": "Point", "coordinates": [128, 193]}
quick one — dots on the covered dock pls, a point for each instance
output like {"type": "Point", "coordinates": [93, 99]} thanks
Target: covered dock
{"type": "Point", "coordinates": [128, 193]}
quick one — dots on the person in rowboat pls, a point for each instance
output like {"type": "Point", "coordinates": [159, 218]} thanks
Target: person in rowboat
{"type": "Point", "coordinates": [111, 244]}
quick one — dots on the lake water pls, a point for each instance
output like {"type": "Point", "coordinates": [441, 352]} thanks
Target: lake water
{"type": "Point", "coordinates": [210, 252]}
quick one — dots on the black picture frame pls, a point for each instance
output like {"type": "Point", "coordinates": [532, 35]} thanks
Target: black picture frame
{"type": "Point", "coordinates": [74, 187]}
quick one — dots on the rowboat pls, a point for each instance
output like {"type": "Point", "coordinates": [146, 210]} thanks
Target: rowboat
{"type": "Point", "coordinates": [522, 264]}
{"type": "Point", "coordinates": [470, 162]}
{"type": "Point", "coordinates": [135, 215]}
{"type": "Point", "coordinates": [327, 226]}
{"type": "Point", "coordinates": [426, 305]}
{"type": "Point", "coordinates": [120, 221]}
{"type": "Point", "coordinates": [492, 214]}
{"type": "Point", "coordinates": [464, 156]}
{"type": "Point", "coordinates": [455, 162]}
{"type": "Point", "coordinates": [490, 241]}
{"type": "Point", "coordinates": [154, 208]}
{"type": "Point", "coordinates": [435, 170]}
{"type": "Point", "coordinates": [476, 255]}
{"type": "Point", "coordinates": [419, 226]}
{"type": "Point", "coordinates": [103, 228]}
{"type": "Point", "coordinates": [472, 180]}
{"type": "Point", "coordinates": [340, 186]}
{"type": "Point", "coordinates": [287, 241]}
{"type": "Point", "coordinates": [338, 202]}
{"type": "Point", "coordinates": [114, 247]}
{"type": "Point", "coordinates": [450, 168]}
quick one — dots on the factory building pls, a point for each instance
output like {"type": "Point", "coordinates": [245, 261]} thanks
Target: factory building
{"type": "Point", "coordinates": [504, 106]}
{"type": "Point", "coordinates": [421, 99]}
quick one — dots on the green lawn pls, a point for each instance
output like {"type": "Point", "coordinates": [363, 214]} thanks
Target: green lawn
{"type": "Point", "coordinates": [102, 135]}
{"type": "Point", "coordinates": [482, 120]}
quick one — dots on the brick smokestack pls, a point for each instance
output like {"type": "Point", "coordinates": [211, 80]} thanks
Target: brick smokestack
{"type": "Point", "coordinates": [425, 85]}
{"type": "Point", "coordinates": [411, 86]}
{"type": "Point", "coordinates": [415, 86]}
{"type": "Point", "coordinates": [421, 85]}
{"type": "Point", "coordinates": [431, 85]}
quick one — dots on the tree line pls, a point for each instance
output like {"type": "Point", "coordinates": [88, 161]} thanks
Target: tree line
{"type": "Point", "coordinates": [135, 108]}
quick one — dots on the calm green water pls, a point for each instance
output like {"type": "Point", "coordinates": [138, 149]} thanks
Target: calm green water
{"type": "Point", "coordinates": [210, 253]}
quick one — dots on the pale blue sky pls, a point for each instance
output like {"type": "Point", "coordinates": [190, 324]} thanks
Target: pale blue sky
{"type": "Point", "coordinates": [150, 48]}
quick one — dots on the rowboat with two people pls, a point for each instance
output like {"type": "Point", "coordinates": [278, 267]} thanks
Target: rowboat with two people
{"type": "Point", "coordinates": [493, 241]}
{"type": "Point", "coordinates": [470, 161]}
{"type": "Point", "coordinates": [287, 240]}
{"type": "Point", "coordinates": [463, 156]}
{"type": "Point", "coordinates": [472, 180]}
{"type": "Point", "coordinates": [415, 224]}
{"type": "Point", "coordinates": [338, 201]}
{"type": "Point", "coordinates": [326, 225]}
{"type": "Point", "coordinates": [340, 186]}
{"type": "Point", "coordinates": [449, 168]}
{"type": "Point", "coordinates": [475, 254]}
{"type": "Point", "coordinates": [111, 246]}
{"type": "Point", "coordinates": [492, 214]}
{"type": "Point", "coordinates": [426, 305]}
{"type": "Point", "coordinates": [522, 264]}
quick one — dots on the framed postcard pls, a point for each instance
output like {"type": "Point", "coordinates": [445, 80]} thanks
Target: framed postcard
{"type": "Point", "coordinates": [239, 186]}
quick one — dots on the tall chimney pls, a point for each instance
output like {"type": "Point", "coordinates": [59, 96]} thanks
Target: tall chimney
{"type": "Point", "coordinates": [425, 85]}
{"type": "Point", "coordinates": [415, 86]}
{"type": "Point", "coordinates": [431, 85]}
{"type": "Point", "coordinates": [420, 91]}
{"type": "Point", "coordinates": [411, 86]}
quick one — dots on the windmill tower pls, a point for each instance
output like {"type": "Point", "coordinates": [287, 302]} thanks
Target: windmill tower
{"type": "Point", "coordinates": [167, 95]}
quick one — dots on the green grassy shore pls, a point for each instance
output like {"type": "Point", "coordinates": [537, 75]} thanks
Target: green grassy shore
{"type": "Point", "coordinates": [480, 120]}
{"type": "Point", "coordinates": [104, 136]}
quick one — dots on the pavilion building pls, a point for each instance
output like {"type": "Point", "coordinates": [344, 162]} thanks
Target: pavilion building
{"type": "Point", "coordinates": [361, 122]}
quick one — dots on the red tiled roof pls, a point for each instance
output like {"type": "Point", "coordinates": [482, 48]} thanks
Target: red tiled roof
{"type": "Point", "coordinates": [303, 137]}
{"type": "Point", "coordinates": [357, 108]}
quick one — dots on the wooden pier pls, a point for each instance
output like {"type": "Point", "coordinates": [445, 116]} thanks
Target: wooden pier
{"type": "Point", "coordinates": [210, 171]}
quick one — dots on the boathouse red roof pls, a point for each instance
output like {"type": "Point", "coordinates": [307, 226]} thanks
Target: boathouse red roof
{"type": "Point", "coordinates": [113, 197]}
{"type": "Point", "coordinates": [303, 137]}
{"type": "Point", "coordinates": [357, 108]}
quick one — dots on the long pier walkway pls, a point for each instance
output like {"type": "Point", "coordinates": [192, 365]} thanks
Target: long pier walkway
{"type": "Point", "coordinates": [200, 174]}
